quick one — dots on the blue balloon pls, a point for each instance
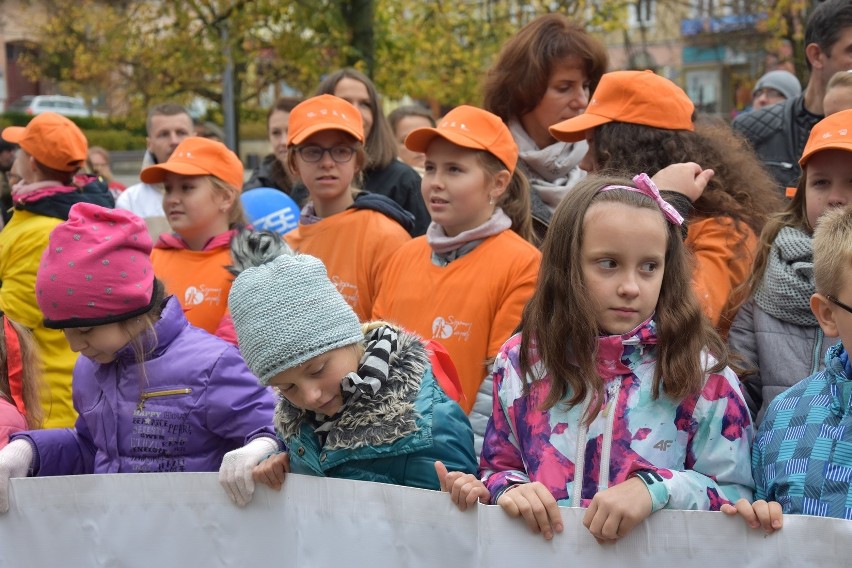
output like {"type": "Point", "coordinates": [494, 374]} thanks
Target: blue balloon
{"type": "Point", "coordinates": [271, 210]}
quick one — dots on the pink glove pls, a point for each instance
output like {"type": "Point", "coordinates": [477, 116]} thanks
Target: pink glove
{"type": "Point", "coordinates": [235, 472]}
{"type": "Point", "coordinates": [16, 460]}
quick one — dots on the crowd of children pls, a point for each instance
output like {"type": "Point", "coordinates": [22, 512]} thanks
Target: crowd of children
{"type": "Point", "coordinates": [649, 353]}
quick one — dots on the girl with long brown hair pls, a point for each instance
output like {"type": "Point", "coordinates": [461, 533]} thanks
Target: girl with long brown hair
{"type": "Point", "coordinates": [615, 395]}
{"type": "Point", "coordinates": [20, 381]}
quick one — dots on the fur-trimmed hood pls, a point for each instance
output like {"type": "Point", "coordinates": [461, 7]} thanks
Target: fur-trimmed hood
{"type": "Point", "coordinates": [375, 420]}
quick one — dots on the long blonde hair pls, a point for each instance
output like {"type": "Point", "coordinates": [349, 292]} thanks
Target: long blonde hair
{"type": "Point", "coordinates": [31, 380]}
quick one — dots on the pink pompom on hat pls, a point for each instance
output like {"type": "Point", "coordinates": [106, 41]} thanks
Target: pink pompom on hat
{"type": "Point", "coordinates": [96, 269]}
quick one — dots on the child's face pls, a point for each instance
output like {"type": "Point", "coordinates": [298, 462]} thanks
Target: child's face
{"type": "Point", "coordinates": [315, 384]}
{"type": "Point", "coordinates": [403, 128]}
{"type": "Point", "coordinates": [327, 181]}
{"type": "Point", "coordinates": [456, 188]}
{"type": "Point", "coordinates": [828, 183]}
{"type": "Point", "coordinates": [837, 99]}
{"type": "Point", "coordinates": [623, 259]}
{"type": "Point", "coordinates": [22, 167]}
{"type": "Point", "coordinates": [193, 208]}
{"type": "Point", "coordinates": [99, 343]}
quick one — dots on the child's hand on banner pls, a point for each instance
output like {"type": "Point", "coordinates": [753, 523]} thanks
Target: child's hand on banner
{"type": "Point", "coordinates": [465, 489]}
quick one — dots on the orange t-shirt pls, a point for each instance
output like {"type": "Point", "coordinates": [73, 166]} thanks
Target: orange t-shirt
{"type": "Point", "coordinates": [471, 306]}
{"type": "Point", "coordinates": [721, 265]}
{"type": "Point", "coordinates": [354, 245]}
{"type": "Point", "coordinates": [199, 280]}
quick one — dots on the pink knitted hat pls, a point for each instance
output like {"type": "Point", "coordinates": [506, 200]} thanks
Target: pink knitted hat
{"type": "Point", "coordinates": [96, 269]}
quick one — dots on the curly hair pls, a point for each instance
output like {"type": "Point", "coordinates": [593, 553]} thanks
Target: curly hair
{"type": "Point", "coordinates": [740, 189]}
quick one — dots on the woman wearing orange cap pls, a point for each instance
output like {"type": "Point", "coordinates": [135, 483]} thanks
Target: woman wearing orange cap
{"type": "Point", "coordinates": [52, 150]}
{"type": "Point", "coordinates": [545, 74]}
{"type": "Point", "coordinates": [641, 122]}
{"type": "Point", "coordinates": [202, 180]}
{"type": "Point", "coordinates": [354, 233]}
{"type": "Point", "coordinates": [466, 282]}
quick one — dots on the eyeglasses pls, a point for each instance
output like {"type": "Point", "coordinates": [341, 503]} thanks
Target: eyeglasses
{"type": "Point", "coordinates": [837, 302]}
{"type": "Point", "coordinates": [340, 154]}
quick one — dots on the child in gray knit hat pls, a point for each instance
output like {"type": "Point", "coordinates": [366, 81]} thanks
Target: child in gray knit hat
{"type": "Point", "coordinates": [355, 402]}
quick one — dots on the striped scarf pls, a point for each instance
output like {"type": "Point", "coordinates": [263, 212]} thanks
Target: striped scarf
{"type": "Point", "coordinates": [371, 376]}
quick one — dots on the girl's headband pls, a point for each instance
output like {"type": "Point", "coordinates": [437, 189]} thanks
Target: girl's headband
{"type": "Point", "coordinates": [14, 365]}
{"type": "Point", "coordinates": [646, 187]}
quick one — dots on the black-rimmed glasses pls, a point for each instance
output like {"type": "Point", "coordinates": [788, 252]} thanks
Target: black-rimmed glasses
{"type": "Point", "coordinates": [837, 302]}
{"type": "Point", "coordinates": [312, 153]}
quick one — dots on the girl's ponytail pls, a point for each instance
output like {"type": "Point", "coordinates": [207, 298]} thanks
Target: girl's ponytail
{"type": "Point", "coordinates": [515, 201]}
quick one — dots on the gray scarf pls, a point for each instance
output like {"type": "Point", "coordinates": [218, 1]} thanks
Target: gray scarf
{"type": "Point", "coordinates": [788, 283]}
{"type": "Point", "coordinates": [447, 249]}
{"type": "Point", "coordinates": [551, 171]}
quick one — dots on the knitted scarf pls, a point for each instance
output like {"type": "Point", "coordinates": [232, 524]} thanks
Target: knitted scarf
{"type": "Point", "coordinates": [446, 249]}
{"type": "Point", "coordinates": [788, 283]}
{"type": "Point", "coordinates": [372, 374]}
{"type": "Point", "coordinates": [551, 171]}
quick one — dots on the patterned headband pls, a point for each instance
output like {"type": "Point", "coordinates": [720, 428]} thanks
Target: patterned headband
{"type": "Point", "coordinates": [646, 187]}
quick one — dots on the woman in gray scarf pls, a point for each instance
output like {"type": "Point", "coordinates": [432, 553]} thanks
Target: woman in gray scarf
{"type": "Point", "coordinates": [545, 74]}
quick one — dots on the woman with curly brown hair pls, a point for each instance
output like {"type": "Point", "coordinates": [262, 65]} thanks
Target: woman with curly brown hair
{"type": "Point", "coordinates": [545, 74]}
{"type": "Point", "coordinates": [641, 122]}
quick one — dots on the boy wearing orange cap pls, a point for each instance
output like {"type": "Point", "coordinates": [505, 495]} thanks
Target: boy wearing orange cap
{"type": "Point", "coordinates": [52, 150]}
{"type": "Point", "coordinates": [202, 180]}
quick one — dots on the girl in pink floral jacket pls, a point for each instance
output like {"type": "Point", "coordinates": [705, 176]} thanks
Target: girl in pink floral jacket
{"type": "Point", "coordinates": [615, 396]}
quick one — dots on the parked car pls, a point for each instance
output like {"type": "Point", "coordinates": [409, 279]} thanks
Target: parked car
{"type": "Point", "coordinates": [66, 106]}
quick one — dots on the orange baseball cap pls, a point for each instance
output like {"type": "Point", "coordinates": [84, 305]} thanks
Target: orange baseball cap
{"type": "Point", "coordinates": [635, 97]}
{"type": "Point", "coordinates": [470, 127]}
{"type": "Point", "coordinates": [196, 156]}
{"type": "Point", "coordinates": [324, 112]}
{"type": "Point", "coordinates": [834, 132]}
{"type": "Point", "coordinates": [51, 139]}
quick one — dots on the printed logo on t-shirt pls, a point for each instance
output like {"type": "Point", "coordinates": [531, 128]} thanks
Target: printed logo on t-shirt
{"type": "Point", "coordinates": [348, 290]}
{"type": "Point", "coordinates": [445, 328]}
{"type": "Point", "coordinates": [193, 296]}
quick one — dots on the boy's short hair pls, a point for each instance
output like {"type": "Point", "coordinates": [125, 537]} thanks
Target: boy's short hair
{"type": "Point", "coordinates": [840, 79]}
{"type": "Point", "coordinates": [832, 250]}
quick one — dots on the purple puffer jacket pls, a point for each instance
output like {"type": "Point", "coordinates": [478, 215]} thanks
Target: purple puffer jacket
{"type": "Point", "coordinates": [195, 401]}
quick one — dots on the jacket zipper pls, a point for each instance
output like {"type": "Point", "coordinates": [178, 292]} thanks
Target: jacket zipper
{"type": "Point", "coordinates": [146, 395]}
{"type": "Point", "coordinates": [817, 354]}
{"type": "Point", "coordinates": [606, 443]}
{"type": "Point", "coordinates": [580, 457]}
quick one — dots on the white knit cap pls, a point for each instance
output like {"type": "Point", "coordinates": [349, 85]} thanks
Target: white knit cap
{"type": "Point", "coordinates": [286, 312]}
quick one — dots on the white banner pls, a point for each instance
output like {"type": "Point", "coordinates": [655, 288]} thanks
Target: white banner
{"type": "Point", "coordinates": [164, 520]}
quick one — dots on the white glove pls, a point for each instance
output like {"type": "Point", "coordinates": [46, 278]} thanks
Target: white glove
{"type": "Point", "coordinates": [16, 459]}
{"type": "Point", "coordinates": [235, 473]}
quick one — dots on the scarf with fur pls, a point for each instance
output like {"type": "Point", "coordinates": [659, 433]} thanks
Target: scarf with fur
{"type": "Point", "coordinates": [378, 406]}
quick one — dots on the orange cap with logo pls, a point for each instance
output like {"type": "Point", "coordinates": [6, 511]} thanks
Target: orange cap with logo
{"type": "Point", "coordinates": [834, 132]}
{"type": "Point", "coordinates": [196, 156]}
{"type": "Point", "coordinates": [634, 97]}
{"type": "Point", "coordinates": [324, 112]}
{"type": "Point", "coordinates": [470, 127]}
{"type": "Point", "coordinates": [52, 140]}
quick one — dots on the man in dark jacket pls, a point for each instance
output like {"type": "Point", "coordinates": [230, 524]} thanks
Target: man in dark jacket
{"type": "Point", "coordinates": [778, 133]}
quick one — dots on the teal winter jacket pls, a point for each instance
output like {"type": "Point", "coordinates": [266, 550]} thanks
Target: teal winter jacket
{"type": "Point", "coordinates": [394, 436]}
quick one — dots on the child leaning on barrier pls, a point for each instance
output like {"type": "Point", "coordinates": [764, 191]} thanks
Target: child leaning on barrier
{"type": "Point", "coordinates": [356, 402]}
{"type": "Point", "coordinates": [153, 393]}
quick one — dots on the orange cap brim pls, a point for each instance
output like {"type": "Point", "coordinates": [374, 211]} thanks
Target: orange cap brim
{"type": "Point", "coordinates": [156, 174]}
{"type": "Point", "coordinates": [574, 129]}
{"type": "Point", "coordinates": [13, 134]}
{"type": "Point", "coordinates": [845, 146]}
{"type": "Point", "coordinates": [418, 140]}
{"type": "Point", "coordinates": [314, 128]}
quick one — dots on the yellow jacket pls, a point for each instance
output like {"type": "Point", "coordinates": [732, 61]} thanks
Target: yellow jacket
{"type": "Point", "coordinates": [22, 242]}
